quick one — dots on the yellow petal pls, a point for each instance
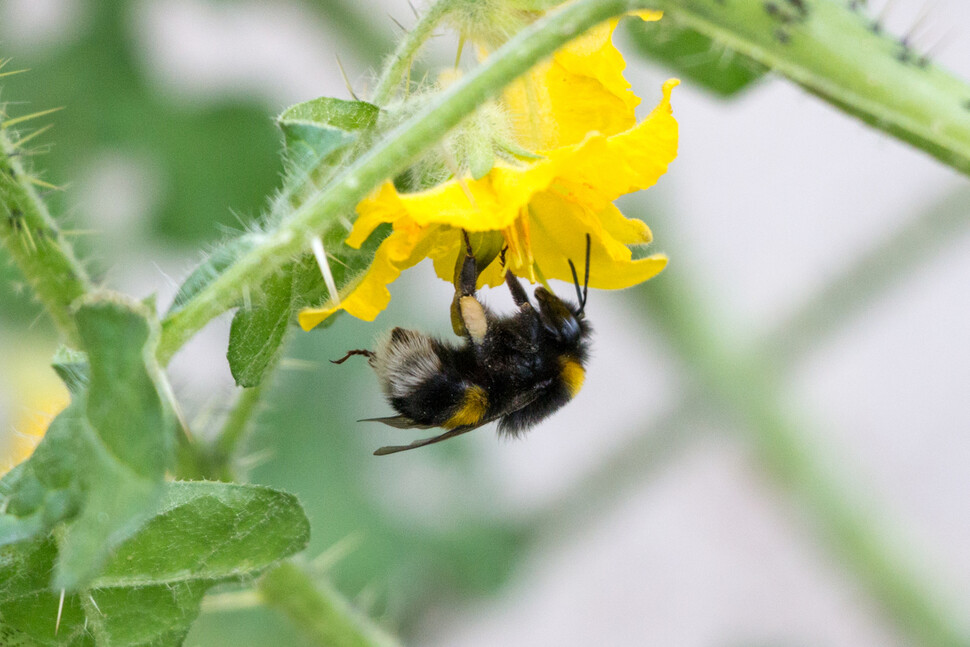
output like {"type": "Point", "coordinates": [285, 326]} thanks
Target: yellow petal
{"type": "Point", "coordinates": [489, 204]}
{"type": "Point", "coordinates": [468, 204]}
{"type": "Point", "coordinates": [581, 89]}
{"type": "Point", "coordinates": [648, 15]}
{"type": "Point", "coordinates": [601, 169]}
{"type": "Point", "coordinates": [628, 231]}
{"type": "Point", "coordinates": [559, 229]}
{"type": "Point", "coordinates": [368, 295]}
{"type": "Point", "coordinates": [381, 206]}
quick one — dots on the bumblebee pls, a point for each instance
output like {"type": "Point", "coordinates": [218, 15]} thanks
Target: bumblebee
{"type": "Point", "coordinates": [517, 369]}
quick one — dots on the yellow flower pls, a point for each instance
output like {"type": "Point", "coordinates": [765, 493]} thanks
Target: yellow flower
{"type": "Point", "coordinates": [576, 112]}
{"type": "Point", "coordinates": [40, 396]}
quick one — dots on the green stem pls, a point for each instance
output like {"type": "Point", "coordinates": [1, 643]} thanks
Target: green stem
{"type": "Point", "coordinates": [400, 61]}
{"type": "Point", "coordinates": [319, 611]}
{"type": "Point", "coordinates": [239, 421]}
{"type": "Point", "coordinates": [391, 156]}
{"type": "Point", "coordinates": [794, 458]}
{"type": "Point", "coordinates": [221, 454]}
{"type": "Point", "coordinates": [35, 242]}
{"type": "Point", "coordinates": [840, 56]}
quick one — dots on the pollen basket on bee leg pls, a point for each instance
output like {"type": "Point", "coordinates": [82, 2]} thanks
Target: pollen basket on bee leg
{"type": "Point", "coordinates": [473, 315]}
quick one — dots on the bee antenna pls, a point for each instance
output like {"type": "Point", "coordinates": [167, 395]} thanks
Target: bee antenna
{"type": "Point", "coordinates": [581, 295]}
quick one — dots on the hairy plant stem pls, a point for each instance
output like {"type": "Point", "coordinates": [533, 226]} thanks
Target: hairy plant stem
{"type": "Point", "coordinates": [391, 156]}
{"type": "Point", "coordinates": [318, 610]}
{"type": "Point", "coordinates": [35, 242]}
{"type": "Point", "coordinates": [221, 453]}
{"type": "Point", "coordinates": [843, 57]}
{"type": "Point", "coordinates": [746, 388]}
{"type": "Point", "coordinates": [400, 61]}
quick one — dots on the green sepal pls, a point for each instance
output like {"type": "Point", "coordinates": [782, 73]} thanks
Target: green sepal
{"type": "Point", "coordinates": [316, 130]}
{"type": "Point", "coordinates": [480, 156]}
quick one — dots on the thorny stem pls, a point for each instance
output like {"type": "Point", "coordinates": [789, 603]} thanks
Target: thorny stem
{"type": "Point", "coordinates": [400, 61]}
{"type": "Point", "coordinates": [391, 156]}
{"type": "Point", "coordinates": [236, 427]}
{"type": "Point", "coordinates": [36, 243]}
{"type": "Point", "coordinates": [838, 54]}
{"type": "Point", "coordinates": [318, 610]}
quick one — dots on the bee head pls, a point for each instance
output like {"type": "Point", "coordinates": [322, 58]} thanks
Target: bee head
{"type": "Point", "coordinates": [561, 319]}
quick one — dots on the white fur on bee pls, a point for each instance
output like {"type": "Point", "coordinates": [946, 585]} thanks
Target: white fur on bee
{"type": "Point", "coordinates": [403, 362]}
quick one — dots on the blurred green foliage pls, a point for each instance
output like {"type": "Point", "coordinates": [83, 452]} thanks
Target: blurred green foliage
{"type": "Point", "coordinates": [212, 160]}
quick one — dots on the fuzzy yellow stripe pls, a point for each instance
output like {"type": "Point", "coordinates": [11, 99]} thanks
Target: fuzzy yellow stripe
{"type": "Point", "coordinates": [572, 374]}
{"type": "Point", "coordinates": [473, 407]}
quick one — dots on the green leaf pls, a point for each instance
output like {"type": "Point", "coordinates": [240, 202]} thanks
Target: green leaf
{"type": "Point", "coordinates": [257, 332]}
{"type": "Point", "coordinates": [221, 530]}
{"type": "Point", "coordinates": [125, 438]}
{"type": "Point", "coordinates": [695, 56]}
{"type": "Point", "coordinates": [203, 534]}
{"type": "Point", "coordinates": [317, 129]}
{"type": "Point", "coordinates": [43, 490]}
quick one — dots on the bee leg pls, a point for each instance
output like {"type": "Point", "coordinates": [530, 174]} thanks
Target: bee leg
{"type": "Point", "coordinates": [468, 315]}
{"type": "Point", "coordinates": [366, 353]}
{"type": "Point", "coordinates": [518, 292]}
{"type": "Point", "coordinates": [469, 270]}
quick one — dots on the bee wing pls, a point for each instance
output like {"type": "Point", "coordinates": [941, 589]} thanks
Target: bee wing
{"type": "Point", "coordinates": [398, 422]}
{"type": "Point", "coordinates": [451, 433]}
{"type": "Point", "coordinates": [518, 403]}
